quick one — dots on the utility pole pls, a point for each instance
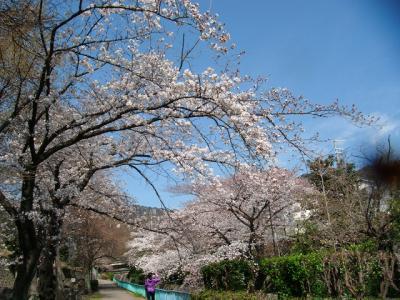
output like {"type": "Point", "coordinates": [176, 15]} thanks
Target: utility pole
{"type": "Point", "coordinates": [339, 152]}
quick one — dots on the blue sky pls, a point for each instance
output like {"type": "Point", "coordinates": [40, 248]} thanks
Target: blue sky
{"type": "Point", "coordinates": [323, 50]}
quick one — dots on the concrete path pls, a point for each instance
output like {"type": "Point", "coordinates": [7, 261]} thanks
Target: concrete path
{"type": "Point", "coordinates": [109, 291]}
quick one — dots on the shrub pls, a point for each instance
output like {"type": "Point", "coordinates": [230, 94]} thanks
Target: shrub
{"type": "Point", "coordinates": [355, 272]}
{"type": "Point", "coordinates": [136, 275]}
{"type": "Point", "coordinates": [296, 275]}
{"type": "Point", "coordinates": [360, 271]}
{"type": "Point", "coordinates": [230, 295]}
{"type": "Point", "coordinates": [232, 275]}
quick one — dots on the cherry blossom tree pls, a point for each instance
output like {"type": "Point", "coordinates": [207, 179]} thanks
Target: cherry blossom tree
{"type": "Point", "coordinates": [108, 86]}
{"type": "Point", "coordinates": [175, 248]}
{"type": "Point", "coordinates": [229, 218]}
{"type": "Point", "coordinates": [58, 195]}
{"type": "Point", "coordinates": [264, 203]}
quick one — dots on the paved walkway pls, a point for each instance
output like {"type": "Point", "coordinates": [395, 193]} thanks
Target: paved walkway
{"type": "Point", "coordinates": [109, 291]}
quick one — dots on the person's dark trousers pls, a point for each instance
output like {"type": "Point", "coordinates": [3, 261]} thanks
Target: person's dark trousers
{"type": "Point", "coordinates": [150, 295]}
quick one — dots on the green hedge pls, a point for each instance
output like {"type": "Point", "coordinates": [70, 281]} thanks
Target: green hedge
{"type": "Point", "coordinates": [296, 275]}
{"type": "Point", "coordinates": [227, 295]}
{"type": "Point", "coordinates": [346, 273]}
{"type": "Point", "coordinates": [232, 275]}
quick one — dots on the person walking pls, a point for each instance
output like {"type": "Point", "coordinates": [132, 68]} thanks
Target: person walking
{"type": "Point", "coordinates": [150, 286]}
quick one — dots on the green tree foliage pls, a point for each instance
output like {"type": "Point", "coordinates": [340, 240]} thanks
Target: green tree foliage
{"type": "Point", "coordinates": [338, 178]}
{"type": "Point", "coordinates": [308, 239]}
{"type": "Point", "coordinates": [394, 211]}
{"type": "Point", "coordinates": [338, 212]}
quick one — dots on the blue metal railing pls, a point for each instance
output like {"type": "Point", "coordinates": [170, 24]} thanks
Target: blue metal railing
{"type": "Point", "coordinates": [160, 293]}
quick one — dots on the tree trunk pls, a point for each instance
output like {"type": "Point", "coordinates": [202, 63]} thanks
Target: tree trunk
{"type": "Point", "coordinates": [328, 215]}
{"type": "Point", "coordinates": [29, 242]}
{"type": "Point", "coordinates": [255, 248]}
{"type": "Point", "coordinates": [276, 248]}
{"type": "Point", "coordinates": [47, 274]}
{"type": "Point", "coordinates": [25, 274]}
{"type": "Point", "coordinates": [31, 249]}
{"type": "Point", "coordinates": [47, 286]}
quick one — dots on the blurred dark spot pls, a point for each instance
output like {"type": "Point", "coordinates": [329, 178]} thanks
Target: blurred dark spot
{"type": "Point", "coordinates": [383, 167]}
